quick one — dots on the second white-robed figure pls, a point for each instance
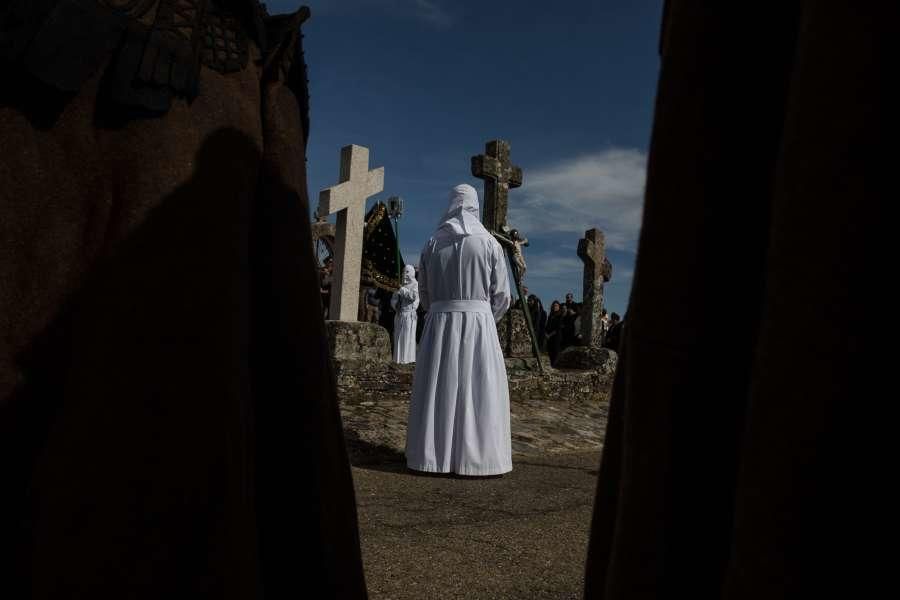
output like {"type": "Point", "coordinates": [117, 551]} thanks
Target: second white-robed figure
{"type": "Point", "coordinates": [459, 411]}
{"type": "Point", "coordinates": [405, 301]}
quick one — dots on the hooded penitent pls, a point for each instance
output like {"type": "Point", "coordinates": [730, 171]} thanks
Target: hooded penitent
{"type": "Point", "coordinates": [461, 217]}
{"type": "Point", "coordinates": [405, 301]}
{"type": "Point", "coordinates": [459, 412]}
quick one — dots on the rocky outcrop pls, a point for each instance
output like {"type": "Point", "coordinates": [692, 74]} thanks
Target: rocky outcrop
{"type": "Point", "coordinates": [356, 342]}
{"type": "Point", "coordinates": [588, 357]}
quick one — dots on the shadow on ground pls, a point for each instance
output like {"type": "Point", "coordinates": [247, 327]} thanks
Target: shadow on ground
{"type": "Point", "coordinates": [377, 457]}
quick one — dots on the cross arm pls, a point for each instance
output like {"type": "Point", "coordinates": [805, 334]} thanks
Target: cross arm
{"type": "Point", "coordinates": [515, 177]}
{"type": "Point", "coordinates": [375, 183]}
{"type": "Point", "coordinates": [607, 270]}
{"type": "Point", "coordinates": [484, 167]}
{"type": "Point", "coordinates": [335, 198]}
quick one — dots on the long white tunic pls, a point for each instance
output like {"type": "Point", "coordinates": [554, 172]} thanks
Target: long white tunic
{"type": "Point", "coordinates": [459, 412]}
{"type": "Point", "coordinates": [405, 301]}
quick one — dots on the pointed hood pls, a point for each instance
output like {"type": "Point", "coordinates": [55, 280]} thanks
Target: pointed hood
{"type": "Point", "coordinates": [462, 215]}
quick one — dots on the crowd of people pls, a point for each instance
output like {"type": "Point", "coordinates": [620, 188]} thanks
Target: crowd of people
{"type": "Point", "coordinates": [561, 327]}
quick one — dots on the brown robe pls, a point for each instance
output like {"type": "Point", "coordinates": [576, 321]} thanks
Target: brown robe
{"type": "Point", "coordinates": [168, 420]}
{"type": "Point", "coordinates": [733, 463]}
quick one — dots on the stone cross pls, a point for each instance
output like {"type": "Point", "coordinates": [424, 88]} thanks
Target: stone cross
{"type": "Point", "coordinates": [348, 200]}
{"type": "Point", "coordinates": [597, 271]}
{"type": "Point", "coordinates": [499, 175]}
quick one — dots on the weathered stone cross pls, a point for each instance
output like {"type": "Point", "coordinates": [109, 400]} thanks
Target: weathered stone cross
{"type": "Point", "coordinates": [597, 271]}
{"type": "Point", "coordinates": [348, 200]}
{"type": "Point", "coordinates": [499, 175]}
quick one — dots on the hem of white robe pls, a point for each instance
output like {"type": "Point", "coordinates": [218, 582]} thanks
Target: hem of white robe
{"type": "Point", "coordinates": [431, 468]}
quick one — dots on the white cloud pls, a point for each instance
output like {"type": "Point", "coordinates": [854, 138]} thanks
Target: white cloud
{"type": "Point", "coordinates": [626, 275]}
{"type": "Point", "coordinates": [603, 190]}
{"type": "Point", "coordinates": [433, 13]}
{"type": "Point", "coordinates": [564, 266]}
{"type": "Point", "coordinates": [552, 275]}
{"type": "Point", "coordinates": [551, 266]}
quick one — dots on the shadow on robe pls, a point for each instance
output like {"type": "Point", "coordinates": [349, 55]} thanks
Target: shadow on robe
{"type": "Point", "coordinates": [733, 464]}
{"type": "Point", "coordinates": [181, 413]}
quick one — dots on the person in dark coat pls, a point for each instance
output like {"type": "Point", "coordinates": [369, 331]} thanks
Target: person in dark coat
{"type": "Point", "coordinates": [553, 331]}
{"type": "Point", "coordinates": [569, 326]}
{"type": "Point", "coordinates": [386, 311]}
{"type": "Point", "coordinates": [538, 319]}
{"type": "Point", "coordinates": [168, 419]}
{"type": "Point", "coordinates": [326, 275]}
{"type": "Point", "coordinates": [614, 335]}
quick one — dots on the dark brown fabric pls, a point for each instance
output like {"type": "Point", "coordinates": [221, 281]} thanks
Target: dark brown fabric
{"type": "Point", "coordinates": [157, 46]}
{"type": "Point", "coordinates": [731, 465]}
{"type": "Point", "coordinates": [168, 420]}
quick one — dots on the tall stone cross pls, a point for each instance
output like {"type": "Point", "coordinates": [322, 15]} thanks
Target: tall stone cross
{"type": "Point", "coordinates": [499, 175]}
{"type": "Point", "coordinates": [597, 271]}
{"type": "Point", "coordinates": [348, 200]}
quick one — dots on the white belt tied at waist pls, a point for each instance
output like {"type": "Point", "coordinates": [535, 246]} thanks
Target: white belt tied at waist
{"type": "Point", "coordinates": [470, 306]}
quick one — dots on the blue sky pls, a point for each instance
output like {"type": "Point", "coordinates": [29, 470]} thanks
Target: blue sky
{"type": "Point", "coordinates": [425, 83]}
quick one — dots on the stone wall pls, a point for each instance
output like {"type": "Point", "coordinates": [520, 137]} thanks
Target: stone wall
{"type": "Point", "coordinates": [371, 381]}
{"type": "Point", "coordinates": [559, 410]}
{"type": "Point", "coordinates": [557, 385]}
{"type": "Point", "coordinates": [378, 381]}
{"type": "Point", "coordinates": [350, 341]}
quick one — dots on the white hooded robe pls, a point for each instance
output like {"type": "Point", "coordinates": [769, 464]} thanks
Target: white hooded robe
{"type": "Point", "coordinates": [405, 301]}
{"type": "Point", "coordinates": [459, 412]}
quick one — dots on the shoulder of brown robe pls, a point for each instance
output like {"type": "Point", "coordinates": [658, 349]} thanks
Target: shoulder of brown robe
{"type": "Point", "coordinates": [738, 459]}
{"type": "Point", "coordinates": [168, 419]}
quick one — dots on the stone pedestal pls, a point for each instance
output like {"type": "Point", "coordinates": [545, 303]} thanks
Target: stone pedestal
{"type": "Point", "coordinates": [358, 343]}
{"type": "Point", "coordinates": [513, 333]}
{"type": "Point", "coordinates": [521, 364]}
{"type": "Point", "coordinates": [587, 358]}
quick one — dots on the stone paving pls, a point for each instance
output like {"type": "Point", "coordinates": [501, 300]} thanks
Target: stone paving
{"type": "Point", "coordinates": [520, 536]}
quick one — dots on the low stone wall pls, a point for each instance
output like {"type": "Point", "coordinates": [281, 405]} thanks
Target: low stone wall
{"type": "Point", "coordinates": [557, 385]}
{"type": "Point", "coordinates": [375, 381]}
{"type": "Point", "coordinates": [356, 341]}
{"type": "Point", "coordinates": [361, 357]}
{"type": "Point", "coordinates": [557, 411]}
